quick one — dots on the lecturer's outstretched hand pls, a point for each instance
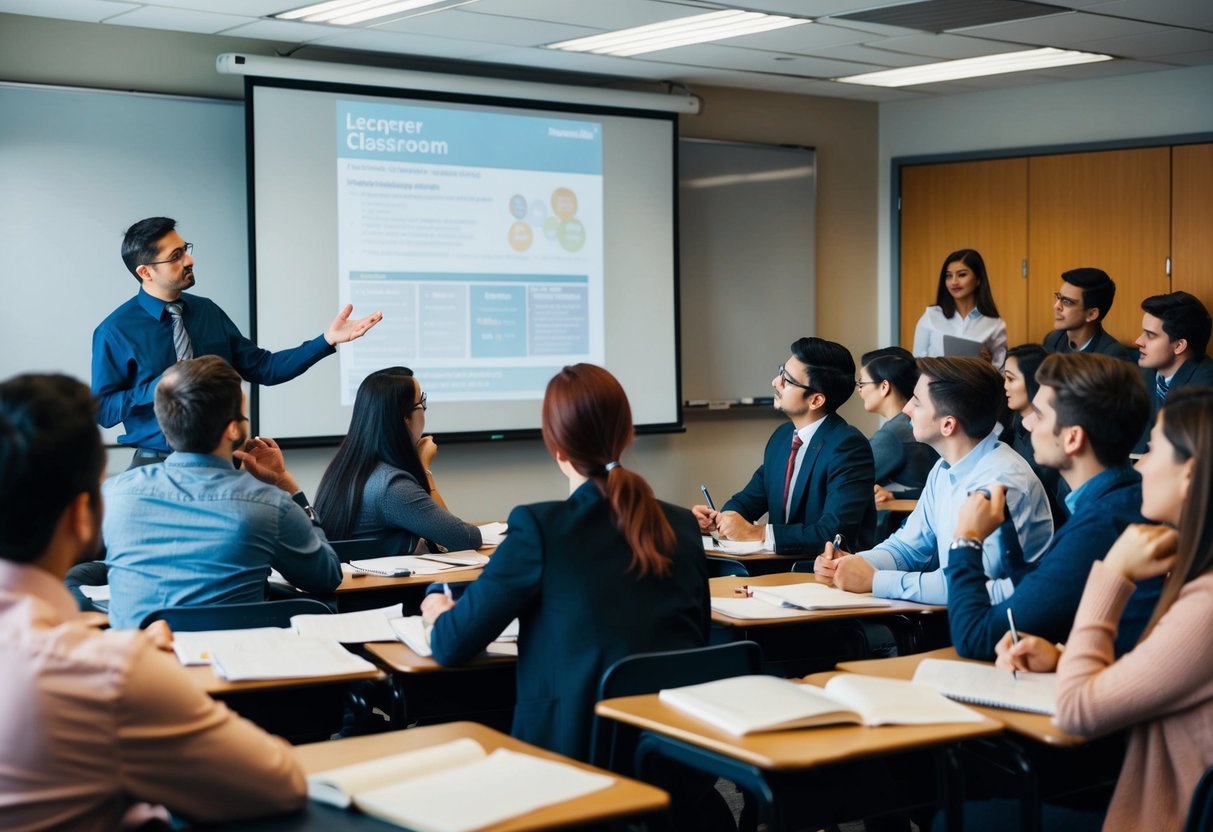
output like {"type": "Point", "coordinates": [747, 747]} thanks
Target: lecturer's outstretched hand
{"type": "Point", "coordinates": [342, 329]}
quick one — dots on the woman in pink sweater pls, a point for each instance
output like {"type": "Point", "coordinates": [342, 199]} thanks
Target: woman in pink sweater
{"type": "Point", "coordinates": [1163, 688]}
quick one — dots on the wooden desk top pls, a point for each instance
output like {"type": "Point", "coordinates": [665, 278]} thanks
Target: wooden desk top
{"type": "Point", "coordinates": [789, 750]}
{"type": "Point", "coordinates": [400, 658]}
{"type": "Point", "coordinates": [759, 556]}
{"type": "Point", "coordinates": [724, 588]}
{"type": "Point", "coordinates": [625, 798]}
{"type": "Point", "coordinates": [362, 581]}
{"type": "Point", "coordinates": [897, 505]}
{"type": "Point", "coordinates": [204, 676]}
{"type": "Point", "coordinates": [1034, 726]}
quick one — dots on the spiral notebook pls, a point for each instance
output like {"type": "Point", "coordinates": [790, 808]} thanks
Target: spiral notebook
{"type": "Point", "coordinates": [983, 684]}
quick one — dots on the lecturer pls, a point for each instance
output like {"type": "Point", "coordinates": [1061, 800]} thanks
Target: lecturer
{"type": "Point", "coordinates": [161, 325]}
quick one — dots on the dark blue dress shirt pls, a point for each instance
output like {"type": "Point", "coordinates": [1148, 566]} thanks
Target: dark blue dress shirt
{"type": "Point", "coordinates": [134, 346]}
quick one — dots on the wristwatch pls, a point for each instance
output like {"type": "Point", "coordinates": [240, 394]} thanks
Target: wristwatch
{"type": "Point", "coordinates": [301, 500]}
{"type": "Point", "coordinates": [965, 543]}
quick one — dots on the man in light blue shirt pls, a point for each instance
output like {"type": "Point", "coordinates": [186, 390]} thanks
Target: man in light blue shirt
{"type": "Point", "coordinates": [953, 410]}
{"type": "Point", "coordinates": [196, 530]}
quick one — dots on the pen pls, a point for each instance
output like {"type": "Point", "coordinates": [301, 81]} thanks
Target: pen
{"type": "Point", "coordinates": [1014, 637]}
{"type": "Point", "coordinates": [704, 488]}
{"type": "Point", "coordinates": [450, 596]}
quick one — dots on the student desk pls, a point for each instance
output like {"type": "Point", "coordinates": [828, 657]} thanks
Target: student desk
{"type": "Point", "coordinates": [899, 506]}
{"type": "Point", "coordinates": [425, 691]}
{"type": "Point", "coordinates": [302, 709]}
{"type": "Point", "coordinates": [773, 763]}
{"type": "Point", "coordinates": [362, 591]}
{"type": "Point", "coordinates": [1046, 746]}
{"type": "Point", "coordinates": [763, 563]}
{"type": "Point", "coordinates": [625, 799]}
{"type": "Point", "coordinates": [818, 639]}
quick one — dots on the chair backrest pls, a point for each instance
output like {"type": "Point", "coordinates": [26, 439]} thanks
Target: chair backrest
{"type": "Point", "coordinates": [720, 567]}
{"type": "Point", "coordinates": [651, 672]}
{"type": "Point", "coordinates": [802, 566]}
{"type": "Point", "coordinates": [357, 548]}
{"type": "Point", "coordinates": [1200, 813]}
{"type": "Point", "coordinates": [236, 616]}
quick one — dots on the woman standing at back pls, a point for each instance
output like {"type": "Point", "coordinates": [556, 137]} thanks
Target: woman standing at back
{"type": "Point", "coordinates": [964, 308]}
{"type": "Point", "coordinates": [608, 572]}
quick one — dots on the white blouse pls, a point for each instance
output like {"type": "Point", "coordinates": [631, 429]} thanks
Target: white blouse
{"type": "Point", "coordinates": [933, 325]}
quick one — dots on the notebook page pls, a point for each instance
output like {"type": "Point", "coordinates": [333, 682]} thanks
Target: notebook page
{"type": "Point", "coordinates": [984, 684]}
{"type": "Point", "coordinates": [350, 627]}
{"type": "Point", "coordinates": [897, 701]}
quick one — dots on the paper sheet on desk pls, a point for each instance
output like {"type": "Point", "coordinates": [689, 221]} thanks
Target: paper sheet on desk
{"type": "Point", "coordinates": [351, 627]}
{"type": "Point", "coordinates": [101, 592]}
{"type": "Point", "coordinates": [412, 631]}
{"type": "Point", "coordinates": [736, 547]}
{"type": "Point", "coordinates": [195, 648]}
{"type": "Point", "coordinates": [752, 608]}
{"type": "Point", "coordinates": [290, 657]}
{"type": "Point", "coordinates": [492, 534]}
{"type": "Point", "coordinates": [396, 566]}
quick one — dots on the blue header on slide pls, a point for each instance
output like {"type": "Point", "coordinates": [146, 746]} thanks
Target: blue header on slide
{"type": "Point", "coordinates": [434, 136]}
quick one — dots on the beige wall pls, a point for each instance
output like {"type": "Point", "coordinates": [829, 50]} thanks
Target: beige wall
{"type": "Point", "coordinates": [486, 480]}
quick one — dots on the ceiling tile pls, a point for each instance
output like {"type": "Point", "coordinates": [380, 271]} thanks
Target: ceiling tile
{"type": "Point", "coordinates": [802, 40]}
{"type": "Point", "coordinates": [1190, 58]}
{"type": "Point", "coordinates": [815, 8]}
{"type": "Point", "coordinates": [1153, 44]}
{"type": "Point", "coordinates": [1062, 30]}
{"type": "Point", "coordinates": [377, 40]}
{"type": "Point", "coordinates": [581, 62]}
{"type": "Point", "coordinates": [1171, 12]}
{"type": "Point", "coordinates": [487, 28]}
{"type": "Point", "coordinates": [713, 55]}
{"type": "Point", "coordinates": [870, 58]}
{"type": "Point", "coordinates": [245, 8]}
{"type": "Point", "coordinates": [178, 20]}
{"type": "Point", "coordinates": [89, 11]}
{"type": "Point", "coordinates": [286, 31]}
{"type": "Point", "coordinates": [617, 14]}
{"type": "Point", "coordinates": [943, 47]}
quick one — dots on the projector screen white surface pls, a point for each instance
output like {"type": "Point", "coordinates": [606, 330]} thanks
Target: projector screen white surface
{"type": "Point", "coordinates": [501, 243]}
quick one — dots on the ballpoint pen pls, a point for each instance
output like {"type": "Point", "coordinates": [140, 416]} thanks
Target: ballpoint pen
{"type": "Point", "coordinates": [1014, 637]}
{"type": "Point", "coordinates": [703, 486]}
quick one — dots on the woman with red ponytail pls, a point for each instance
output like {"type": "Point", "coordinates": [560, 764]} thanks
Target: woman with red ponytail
{"type": "Point", "coordinates": [608, 572]}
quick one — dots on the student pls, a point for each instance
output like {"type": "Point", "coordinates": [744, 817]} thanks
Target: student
{"type": "Point", "coordinates": [886, 382]}
{"type": "Point", "coordinates": [1083, 421]}
{"type": "Point", "coordinates": [162, 324]}
{"type": "Point", "coordinates": [608, 572]}
{"type": "Point", "coordinates": [1162, 690]}
{"type": "Point", "coordinates": [1174, 335]}
{"type": "Point", "coordinates": [953, 410]}
{"type": "Point", "coordinates": [816, 478]}
{"type": "Point", "coordinates": [93, 722]}
{"type": "Point", "coordinates": [1079, 308]}
{"type": "Point", "coordinates": [1020, 385]}
{"type": "Point", "coordinates": [379, 483]}
{"type": "Point", "coordinates": [964, 307]}
{"type": "Point", "coordinates": [195, 530]}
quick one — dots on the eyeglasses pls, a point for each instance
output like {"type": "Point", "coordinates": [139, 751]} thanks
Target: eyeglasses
{"type": "Point", "coordinates": [787, 379]}
{"type": "Point", "coordinates": [859, 385]}
{"type": "Point", "coordinates": [1064, 301]}
{"type": "Point", "coordinates": [422, 405]}
{"type": "Point", "coordinates": [175, 257]}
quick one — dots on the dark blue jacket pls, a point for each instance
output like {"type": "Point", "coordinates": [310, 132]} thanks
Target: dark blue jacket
{"type": "Point", "coordinates": [1198, 373]}
{"type": "Point", "coordinates": [563, 571]}
{"type": "Point", "coordinates": [832, 493]}
{"type": "Point", "coordinates": [1059, 341]}
{"type": "Point", "coordinates": [1046, 599]}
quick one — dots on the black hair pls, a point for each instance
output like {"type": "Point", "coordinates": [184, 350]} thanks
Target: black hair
{"type": "Point", "coordinates": [1182, 316]}
{"type": "Point", "coordinates": [831, 369]}
{"type": "Point", "coordinates": [901, 352]}
{"type": "Point", "coordinates": [385, 399]}
{"type": "Point", "coordinates": [1098, 290]}
{"type": "Point", "coordinates": [50, 453]}
{"type": "Point", "coordinates": [901, 373]}
{"type": "Point", "coordinates": [985, 297]}
{"type": "Point", "coordinates": [139, 242]}
{"type": "Point", "coordinates": [1027, 358]}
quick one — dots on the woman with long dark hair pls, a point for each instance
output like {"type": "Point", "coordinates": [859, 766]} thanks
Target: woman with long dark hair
{"type": "Point", "coordinates": [886, 382]}
{"type": "Point", "coordinates": [379, 483]}
{"type": "Point", "coordinates": [608, 572]}
{"type": "Point", "coordinates": [1020, 386]}
{"type": "Point", "coordinates": [1162, 690]}
{"type": "Point", "coordinates": [964, 308]}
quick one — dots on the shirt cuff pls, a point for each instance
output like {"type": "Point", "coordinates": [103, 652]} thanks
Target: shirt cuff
{"type": "Point", "coordinates": [768, 537]}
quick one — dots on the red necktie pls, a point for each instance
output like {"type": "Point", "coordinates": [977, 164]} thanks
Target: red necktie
{"type": "Point", "coordinates": [787, 477]}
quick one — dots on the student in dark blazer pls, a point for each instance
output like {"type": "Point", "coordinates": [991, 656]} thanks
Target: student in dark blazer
{"type": "Point", "coordinates": [814, 488]}
{"type": "Point", "coordinates": [1174, 336]}
{"type": "Point", "coordinates": [1079, 308]}
{"type": "Point", "coordinates": [606, 573]}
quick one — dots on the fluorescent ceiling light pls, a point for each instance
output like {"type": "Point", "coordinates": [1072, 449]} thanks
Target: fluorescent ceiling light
{"type": "Point", "coordinates": [350, 12]}
{"type": "Point", "coordinates": [975, 67]}
{"type": "Point", "coordinates": [700, 28]}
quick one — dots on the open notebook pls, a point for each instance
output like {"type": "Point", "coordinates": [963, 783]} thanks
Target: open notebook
{"type": "Point", "coordinates": [983, 684]}
{"type": "Point", "coordinates": [753, 704]}
{"type": "Point", "coordinates": [416, 634]}
{"type": "Point", "coordinates": [428, 790]}
{"type": "Point", "coordinates": [400, 566]}
{"type": "Point", "coordinates": [810, 596]}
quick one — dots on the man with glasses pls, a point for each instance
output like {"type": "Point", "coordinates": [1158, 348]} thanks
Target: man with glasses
{"type": "Point", "coordinates": [1079, 307]}
{"type": "Point", "coordinates": [162, 324]}
{"type": "Point", "coordinates": [196, 530]}
{"type": "Point", "coordinates": [817, 473]}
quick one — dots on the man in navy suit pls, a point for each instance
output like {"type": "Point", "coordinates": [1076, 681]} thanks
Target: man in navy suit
{"type": "Point", "coordinates": [1079, 308]}
{"type": "Point", "coordinates": [817, 473]}
{"type": "Point", "coordinates": [1174, 336]}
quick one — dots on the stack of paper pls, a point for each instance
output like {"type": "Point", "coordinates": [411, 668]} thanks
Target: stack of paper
{"type": "Point", "coordinates": [297, 657]}
{"type": "Point", "coordinates": [397, 566]}
{"type": "Point", "coordinates": [736, 547]}
{"type": "Point", "coordinates": [350, 627]}
{"type": "Point", "coordinates": [814, 596]}
{"type": "Point", "coordinates": [493, 534]}
{"type": "Point", "coordinates": [983, 684]}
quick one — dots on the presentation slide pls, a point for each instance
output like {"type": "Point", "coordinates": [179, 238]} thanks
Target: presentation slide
{"type": "Point", "coordinates": [501, 244]}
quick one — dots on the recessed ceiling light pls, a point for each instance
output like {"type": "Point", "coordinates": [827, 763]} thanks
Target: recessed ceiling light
{"type": "Point", "coordinates": [975, 67]}
{"type": "Point", "coordinates": [700, 28]}
{"type": "Point", "coordinates": [351, 12]}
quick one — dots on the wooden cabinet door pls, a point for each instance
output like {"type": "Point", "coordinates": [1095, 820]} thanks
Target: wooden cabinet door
{"type": "Point", "coordinates": [1109, 209]}
{"type": "Point", "coordinates": [1192, 220]}
{"type": "Point", "coordinates": [949, 206]}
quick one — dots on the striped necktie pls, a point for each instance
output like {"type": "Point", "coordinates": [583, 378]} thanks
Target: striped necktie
{"type": "Point", "coordinates": [1161, 385]}
{"type": "Point", "coordinates": [182, 344]}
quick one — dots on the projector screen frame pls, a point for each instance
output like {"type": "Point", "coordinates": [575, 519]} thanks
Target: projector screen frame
{"type": "Point", "coordinates": [253, 81]}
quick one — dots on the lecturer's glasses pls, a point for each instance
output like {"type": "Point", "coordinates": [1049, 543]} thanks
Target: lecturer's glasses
{"type": "Point", "coordinates": [787, 379]}
{"type": "Point", "coordinates": [176, 257]}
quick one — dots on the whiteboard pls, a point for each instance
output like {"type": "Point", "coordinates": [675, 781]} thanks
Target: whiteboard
{"type": "Point", "coordinates": [77, 168]}
{"type": "Point", "coordinates": [747, 248]}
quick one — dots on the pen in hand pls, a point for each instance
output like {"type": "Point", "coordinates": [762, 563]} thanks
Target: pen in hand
{"type": "Point", "coordinates": [1014, 638]}
{"type": "Point", "coordinates": [712, 505]}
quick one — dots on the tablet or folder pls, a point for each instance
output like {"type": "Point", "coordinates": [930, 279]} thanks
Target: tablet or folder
{"type": "Point", "coordinates": [954, 345]}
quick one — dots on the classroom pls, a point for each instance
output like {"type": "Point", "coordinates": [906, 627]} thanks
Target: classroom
{"type": "Point", "coordinates": [862, 140]}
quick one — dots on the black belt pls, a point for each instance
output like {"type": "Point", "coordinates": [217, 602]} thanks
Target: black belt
{"type": "Point", "coordinates": [150, 453]}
